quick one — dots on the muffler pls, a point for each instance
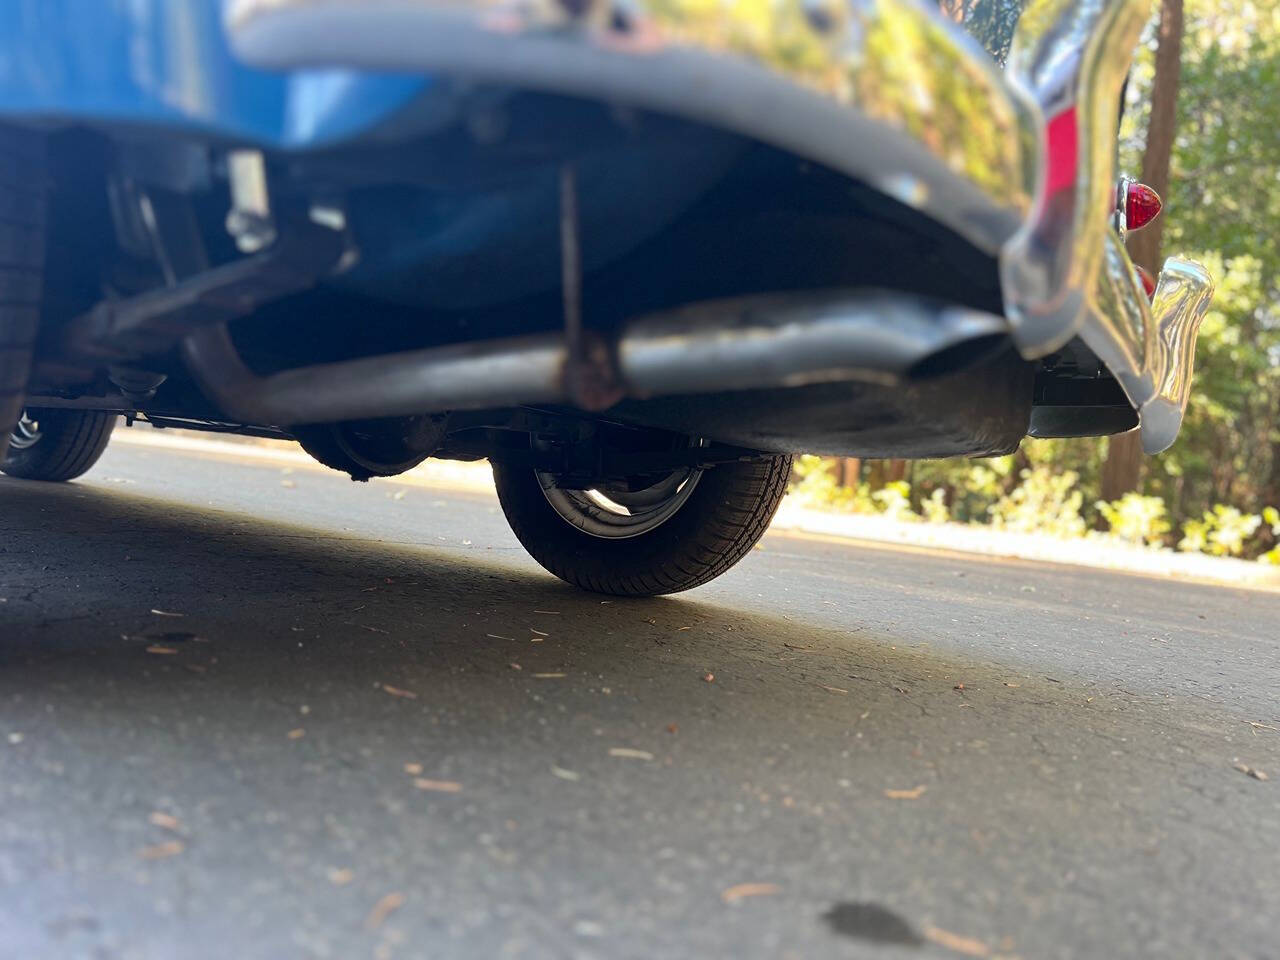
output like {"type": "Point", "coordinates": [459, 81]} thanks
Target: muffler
{"type": "Point", "coordinates": [713, 347]}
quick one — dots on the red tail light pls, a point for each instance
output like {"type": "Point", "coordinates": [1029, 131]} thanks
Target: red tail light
{"type": "Point", "coordinates": [1141, 205]}
{"type": "Point", "coordinates": [1148, 281]}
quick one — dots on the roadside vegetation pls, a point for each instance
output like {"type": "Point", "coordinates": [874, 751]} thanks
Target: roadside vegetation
{"type": "Point", "coordinates": [1035, 499]}
{"type": "Point", "coordinates": [1215, 65]}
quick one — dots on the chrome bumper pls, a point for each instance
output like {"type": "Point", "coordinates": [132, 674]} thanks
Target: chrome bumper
{"type": "Point", "coordinates": [1019, 163]}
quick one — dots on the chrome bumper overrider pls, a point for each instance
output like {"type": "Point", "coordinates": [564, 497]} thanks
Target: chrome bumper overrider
{"type": "Point", "coordinates": [1019, 162]}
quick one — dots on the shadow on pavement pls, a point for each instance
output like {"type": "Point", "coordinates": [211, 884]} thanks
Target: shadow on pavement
{"type": "Point", "coordinates": [522, 763]}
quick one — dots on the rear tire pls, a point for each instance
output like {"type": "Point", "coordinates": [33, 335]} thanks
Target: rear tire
{"type": "Point", "coordinates": [22, 227]}
{"type": "Point", "coordinates": [66, 444]}
{"type": "Point", "coordinates": [715, 526]}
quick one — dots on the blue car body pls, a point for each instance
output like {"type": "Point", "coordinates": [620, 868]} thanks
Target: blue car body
{"type": "Point", "coordinates": [1005, 175]}
{"type": "Point", "coordinates": [165, 64]}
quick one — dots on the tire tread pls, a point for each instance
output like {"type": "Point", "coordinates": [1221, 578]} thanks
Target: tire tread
{"type": "Point", "coordinates": [732, 509]}
{"type": "Point", "coordinates": [71, 442]}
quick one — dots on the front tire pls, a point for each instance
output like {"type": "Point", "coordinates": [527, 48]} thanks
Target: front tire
{"type": "Point", "coordinates": [714, 526]}
{"type": "Point", "coordinates": [57, 445]}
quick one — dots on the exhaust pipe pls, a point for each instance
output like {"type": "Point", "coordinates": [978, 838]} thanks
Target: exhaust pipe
{"type": "Point", "coordinates": [746, 343]}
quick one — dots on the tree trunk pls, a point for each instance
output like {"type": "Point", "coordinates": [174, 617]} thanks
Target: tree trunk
{"type": "Point", "coordinates": [1144, 244]}
{"type": "Point", "coordinates": [1123, 466]}
{"type": "Point", "coordinates": [848, 471]}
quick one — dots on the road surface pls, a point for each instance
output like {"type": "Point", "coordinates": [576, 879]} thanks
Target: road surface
{"type": "Point", "coordinates": [255, 712]}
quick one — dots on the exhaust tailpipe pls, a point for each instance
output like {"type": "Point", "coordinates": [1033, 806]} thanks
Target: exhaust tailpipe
{"type": "Point", "coordinates": [718, 346]}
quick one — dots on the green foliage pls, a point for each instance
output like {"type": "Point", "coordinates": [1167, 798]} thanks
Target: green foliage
{"type": "Point", "coordinates": [934, 507]}
{"type": "Point", "coordinates": [1221, 531]}
{"type": "Point", "coordinates": [1223, 208]}
{"type": "Point", "coordinates": [1208, 492]}
{"type": "Point", "coordinates": [894, 500]}
{"type": "Point", "coordinates": [816, 487]}
{"type": "Point", "coordinates": [1136, 519]}
{"type": "Point", "coordinates": [1045, 502]}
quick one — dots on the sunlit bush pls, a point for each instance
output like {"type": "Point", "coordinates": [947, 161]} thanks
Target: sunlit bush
{"type": "Point", "coordinates": [894, 500]}
{"type": "Point", "coordinates": [1136, 519]}
{"type": "Point", "coordinates": [1043, 503]}
{"type": "Point", "coordinates": [1222, 531]}
{"type": "Point", "coordinates": [934, 507]}
{"type": "Point", "coordinates": [817, 487]}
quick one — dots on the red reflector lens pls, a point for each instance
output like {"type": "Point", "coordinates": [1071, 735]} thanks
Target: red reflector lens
{"type": "Point", "coordinates": [1148, 281]}
{"type": "Point", "coordinates": [1141, 205]}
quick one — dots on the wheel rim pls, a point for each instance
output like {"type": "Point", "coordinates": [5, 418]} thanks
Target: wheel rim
{"type": "Point", "coordinates": [615, 512]}
{"type": "Point", "coordinates": [25, 434]}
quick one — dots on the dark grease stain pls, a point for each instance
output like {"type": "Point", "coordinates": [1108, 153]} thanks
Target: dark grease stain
{"type": "Point", "coordinates": [870, 921]}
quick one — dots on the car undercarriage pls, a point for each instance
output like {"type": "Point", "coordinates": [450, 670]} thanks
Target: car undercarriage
{"type": "Point", "coordinates": [619, 272]}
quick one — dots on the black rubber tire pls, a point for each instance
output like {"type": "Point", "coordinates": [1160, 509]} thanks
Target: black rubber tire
{"type": "Point", "coordinates": [71, 441]}
{"type": "Point", "coordinates": [22, 225]}
{"type": "Point", "coordinates": [726, 514]}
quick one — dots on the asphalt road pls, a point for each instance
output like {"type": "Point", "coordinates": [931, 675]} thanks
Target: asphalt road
{"type": "Point", "coordinates": [378, 730]}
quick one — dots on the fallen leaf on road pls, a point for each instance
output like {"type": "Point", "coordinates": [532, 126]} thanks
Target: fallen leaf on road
{"type": "Point", "coordinates": [340, 876]}
{"type": "Point", "coordinates": [958, 686]}
{"type": "Point", "coordinates": [515, 666]}
{"type": "Point", "coordinates": [167, 613]}
{"type": "Point", "coordinates": [913, 794]}
{"type": "Point", "coordinates": [413, 769]}
{"type": "Point", "coordinates": [630, 753]}
{"type": "Point", "coordinates": [164, 820]}
{"type": "Point", "coordinates": [953, 941]}
{"type": "Point", "coordinates": [494, 636]}
{"type": "Point", "coordinates": [541, 633]}
{"type": "Point", "coordinates": [550, 613]}
{"type": "Point", "coordinates": [397, 692]}
{"type": "Point", "coordinates": [160, 851]}
{"type": "Point", "coordinates": [548, 676]}
{"type": "Point", "coordinates": [564, 774]}
{"type": "Point", "coordinates": [682, 629]}
{"type": "Point", "coordinates": [383, 909]}
{"type": "Point", "coordinates": [373, 629]}
{"type": "Point", "coordinates": [439, 786]}
{"type": "Point", "coordinates": [740, 891]}
{"type": "Point", "coordinates": [1007, 684]}
{"type": "Point", "coordinates": [709, 677]}
{"type": "Point", "coordinates": [672, 728]}
{"type": "Point", "coordinates": [156, 648]}
{"type": "Point", "coordinates": [1249, 771]}
{"type": "Point", "coordinates": [297, 733]}
{"type": "Point", "coordinates": [1259, 726]}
